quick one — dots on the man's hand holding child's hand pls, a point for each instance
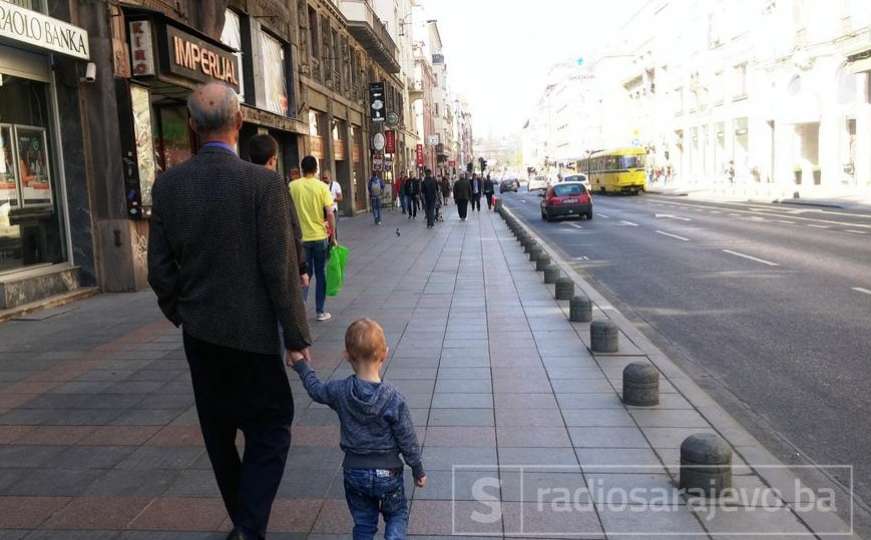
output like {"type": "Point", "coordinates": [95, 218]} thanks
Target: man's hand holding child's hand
{"type": "Point", "coordinates": [420, 482]}
{"type": "Point", "coordinates": [295, 357]}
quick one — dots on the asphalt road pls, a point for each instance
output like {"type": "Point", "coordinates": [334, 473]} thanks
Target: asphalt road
{"type": "Point", "coordinates": [767, 307]}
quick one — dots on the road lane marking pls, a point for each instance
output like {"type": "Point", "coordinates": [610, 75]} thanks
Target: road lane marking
{"type": "Point", "coordinates": [672, 216]}
{"type": "Point", "coordinates": [734, 215]}
{"type": "Point", "coordinates": [750, 257]}
{"type": "Point", "coordinates": [862, 290]}
{"type": "Point", "coordinates": [856, 232]}
{"type": "Point", "coordinates": [815, 226]}
{"type": "Point", "coordinates": [715, 211]}
{"type": "Point", "coordinates": [629, 223]}
{"type": "Point", "coordinates": [582, 258]}
{"type": "Point", "coordinates": [524, 201]}
{"type": "Point", "coordinates": [676, 237]}
{"type": "Point", "coordinates": [603, 215]}
{"type": "Point", "coordinates": [788, 222]}
{"type": "Point", "coordinates": [758, 219]}
{"type": "Point", "coordinates": [575, 225]}
{"type": "Point", "coordinates": [792, 212]}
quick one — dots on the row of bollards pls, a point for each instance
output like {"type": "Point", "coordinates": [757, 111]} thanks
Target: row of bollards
{"type": "Point", "coordinates": [705, 458]}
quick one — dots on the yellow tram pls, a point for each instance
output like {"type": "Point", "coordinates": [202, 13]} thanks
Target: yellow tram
{"type": "Point", "coordinates": [616, 171]}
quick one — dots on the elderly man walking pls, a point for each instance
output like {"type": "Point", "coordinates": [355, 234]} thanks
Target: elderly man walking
{"type": "Point", "coordinates": [221, 260]}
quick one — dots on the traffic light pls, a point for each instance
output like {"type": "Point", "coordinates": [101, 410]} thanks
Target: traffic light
{"type": "Point", "coordinates": [469, 167]}
{"type": "Point", "coordinates": [483, 163]}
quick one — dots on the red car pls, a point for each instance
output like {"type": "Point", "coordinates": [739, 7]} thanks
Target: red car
{"type": "Point", "coordinates": [566, 199]}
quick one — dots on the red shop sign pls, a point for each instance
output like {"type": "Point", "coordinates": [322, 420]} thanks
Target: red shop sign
{"type": "Point", "coordinates": [390, 141]}
{"type": "Point", "coordinates": [419, 155]}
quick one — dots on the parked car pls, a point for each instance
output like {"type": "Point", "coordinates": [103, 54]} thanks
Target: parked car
{"type": "Point", "coordinates": [538, 183]}
{"type": "Point", "coordinates": [510, 184]}
{"type": "Point", "coordinates": [566, 199]}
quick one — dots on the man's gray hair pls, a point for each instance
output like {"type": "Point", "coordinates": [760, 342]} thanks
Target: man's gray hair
{"type": "Point", "coordinates": [213, 107]}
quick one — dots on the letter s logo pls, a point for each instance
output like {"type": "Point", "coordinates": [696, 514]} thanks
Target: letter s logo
{"type": "Point", "coordinates": [490, 500]}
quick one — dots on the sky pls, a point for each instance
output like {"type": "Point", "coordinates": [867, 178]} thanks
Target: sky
{"type": "Point", "coordinates": [498, 52]}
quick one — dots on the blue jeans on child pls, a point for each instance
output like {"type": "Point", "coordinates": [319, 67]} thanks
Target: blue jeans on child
{"type": "Point", "coordinates": [316, 254]}
{"type": "Point", "coordinates": [371, 492]}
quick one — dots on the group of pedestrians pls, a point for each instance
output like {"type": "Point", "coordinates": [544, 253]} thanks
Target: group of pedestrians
{"type": "Point", "coordinates": [469, 191]}
{"type": "Point", "coordinates": [429, 195]}
{"type": "Point", "coordinates": [231, 251]}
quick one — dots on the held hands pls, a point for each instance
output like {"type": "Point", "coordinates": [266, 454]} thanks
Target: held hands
{"type": "Point", "coordinates": [420, 482]}
{"type": "Point", "coordinates": [295, 357]}
{"type": "Point", "coordinates": [303, 280]}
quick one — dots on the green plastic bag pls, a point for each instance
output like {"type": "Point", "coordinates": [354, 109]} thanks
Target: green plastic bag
{"type": "Point", "coordinates": [336, 269]}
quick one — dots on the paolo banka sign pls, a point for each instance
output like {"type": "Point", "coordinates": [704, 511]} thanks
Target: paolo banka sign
{"type": "Point", "coordinates": [34, 28]}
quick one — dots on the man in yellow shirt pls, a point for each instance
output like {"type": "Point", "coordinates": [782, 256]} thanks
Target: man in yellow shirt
{"type": "Point", "coordinates": [313, 202]}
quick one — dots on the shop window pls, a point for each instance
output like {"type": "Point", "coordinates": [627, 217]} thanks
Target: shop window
{"type": "Point", "coordinates": [34, 5]}
{"type": "Point", "coordinates": [740, 81]}
{"type": "Point", "coordinates": [274, 75]}
{"type": "Point", "coordinates": [232, 37]}
{"type": "Point", "coordinates": [30, 229]}
{"type": "Point", "coordinates": [172, 137]}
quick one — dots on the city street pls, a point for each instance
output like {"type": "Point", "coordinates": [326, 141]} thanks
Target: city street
{"type": "Point", "coordinates": [767, 307]}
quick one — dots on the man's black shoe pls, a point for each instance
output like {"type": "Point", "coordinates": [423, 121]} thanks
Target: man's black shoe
{"type": "Point", "coordinates": [236, 534]}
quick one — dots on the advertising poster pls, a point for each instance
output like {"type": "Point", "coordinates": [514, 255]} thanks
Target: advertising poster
{"type": "Point", "coordinates": [8, 181]}
{"type": "Point", "coordinates": [33, 168]}
{"type": "Point", "coordinates": [141, 104]}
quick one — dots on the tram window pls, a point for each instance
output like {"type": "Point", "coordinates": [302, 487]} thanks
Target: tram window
{"type": "Point", "coordinates": [632, 162]}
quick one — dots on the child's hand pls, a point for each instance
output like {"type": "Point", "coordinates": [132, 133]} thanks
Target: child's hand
{"type": "Point", "coordinates": [295, 357]}
{"type": "Point", "coordinates": [420, 482]}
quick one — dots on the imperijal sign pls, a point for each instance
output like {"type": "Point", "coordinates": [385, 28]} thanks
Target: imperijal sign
{"type": "Point", "coordinates": [194, 58]}
{"type": "Point", "coordinates": [26, 26]}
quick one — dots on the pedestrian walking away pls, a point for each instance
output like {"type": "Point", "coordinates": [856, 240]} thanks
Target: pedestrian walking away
{"type": "Point", "coordinates": [263, 150]}
{"type": "Point", "coordinates": [234, 310]}
{"type": "Point", "coordinates": [430, 190]}
{"type": "Point", "coordinates": [414, 187]}
{"type": "Point", "coordinates": [476, 188]}
{"type": "Point", "coordinates": [313, 202]}
{"type": "Point", "coordinates": [376, 429]}
{"type": "Point", "coordinates": [462, 194]}
{"type": "Point", "coordinates": [445, 185]}
{"type": "Point", "coordinates": [336, 193]}
{"type": "Point", "coordinates": [400, 192]}
{"type": "Point", "coordinates": [376, 190]}
{"type": "Point", "coordinates": [489, 192]}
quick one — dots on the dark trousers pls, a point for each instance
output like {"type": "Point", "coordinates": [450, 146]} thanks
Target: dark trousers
{"type": "Point", "coordinates": [249, 392]}
{"type": "Point", "coordinates": [489, 197]}
{"type": "Point", "coordinates": [476, 202]}
{"type": "Point", "coordinates": [316, 254]}
{"type": "Point", "coordinates": [462, 207]}
{"type": "Point", "coordinates": [413, 206]}
{"type": "Point", "coordinates": [429, 207]}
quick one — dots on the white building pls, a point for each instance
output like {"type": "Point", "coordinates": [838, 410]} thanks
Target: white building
{"type": "Point", "coordinates": [779, 91]}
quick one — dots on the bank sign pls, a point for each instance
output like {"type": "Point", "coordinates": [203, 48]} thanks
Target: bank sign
{"type": "Point", "coordinates": [41, 31]}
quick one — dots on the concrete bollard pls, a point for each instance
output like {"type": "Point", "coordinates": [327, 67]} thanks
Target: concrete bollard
{"type": "Point", "coordinates": [551, 274]}
{"type": "Point", "coordinates": [580, 309]}
{"type": "Point", "coordinates": [542, 262]}
{"type": "Point", "coordinates": [529, 245]}
{"type": "Point", "coordinates": [640, 385]}
{"type": "Point", "coordinates": [705, 465]}
{"type": "Point", "coordinates": [535, 252]}
{"type": "Point", "coordinates": [604, 336]}
{"type": "Point", "coordinates": [565, 289]}
{"type": "Point", "coordinates": [498, 204]}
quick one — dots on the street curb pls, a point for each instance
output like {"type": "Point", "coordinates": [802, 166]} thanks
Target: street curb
{"type": "Point", "coordinates": [747, 447]}
{"type": "Point", "coordinates": [799, 202]}
{"type": "Point", "coordinates": [50, 302]}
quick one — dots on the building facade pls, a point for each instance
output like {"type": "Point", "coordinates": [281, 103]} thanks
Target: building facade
{"type": "Point", "coordinates": [46, 206]}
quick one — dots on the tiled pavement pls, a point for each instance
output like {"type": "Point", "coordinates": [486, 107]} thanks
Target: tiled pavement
{"type": "Point", "coordinates": [99, 437]}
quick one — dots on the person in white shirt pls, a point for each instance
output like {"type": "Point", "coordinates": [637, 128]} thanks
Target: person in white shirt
{"type": "Point", "coordinates": [336, 192]}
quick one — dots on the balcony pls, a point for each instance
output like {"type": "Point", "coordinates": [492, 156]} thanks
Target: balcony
{"type": "Point", "coordinates": [371, 33]}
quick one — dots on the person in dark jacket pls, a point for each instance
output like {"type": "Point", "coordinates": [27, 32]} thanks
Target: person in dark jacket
{"type": "Point", "coordinates": [489, 191]}
{"type": "Point", "coordinates": [430, 189]}
{"type": "Point", "coordinates": [222, 263]}
{"type": "Point", "coordinates": [445, 185]}
{"type": "Point", "coordinates": [462, 194]}
{"type": "Point", "coordinates": [476, 187]}
{"type": "Point", "coordinates": [412, 189]}
{"type": "Point", "coordinates": [376, 428]}
{"type": "Point", "coordinates": [263, 150]}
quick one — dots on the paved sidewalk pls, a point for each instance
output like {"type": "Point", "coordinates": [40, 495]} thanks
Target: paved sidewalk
{"type": "Point", "coordinates": [99, 437]}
